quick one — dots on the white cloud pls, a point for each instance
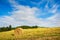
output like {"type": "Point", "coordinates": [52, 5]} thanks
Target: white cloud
{"type": "Point", "coordinates": [24, 15]}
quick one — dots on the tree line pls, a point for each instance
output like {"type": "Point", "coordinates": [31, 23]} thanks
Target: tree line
{"type": "Point", "coordinates": [5, 28]}
{"type": "Point", "coordinates": [8, 28]}
{"type": "Point", "coordinates": [11, 28]}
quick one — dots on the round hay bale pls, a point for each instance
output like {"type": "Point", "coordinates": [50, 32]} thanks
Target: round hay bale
{"type": "Point", "coordinates": [18, 31]}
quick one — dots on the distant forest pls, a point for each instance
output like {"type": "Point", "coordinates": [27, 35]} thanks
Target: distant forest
{"type": "Point", "coordinates": [8, 28]}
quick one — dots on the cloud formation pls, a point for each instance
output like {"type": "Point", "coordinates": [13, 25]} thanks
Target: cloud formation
{"type": "Point", "coordinates": [25, 15]}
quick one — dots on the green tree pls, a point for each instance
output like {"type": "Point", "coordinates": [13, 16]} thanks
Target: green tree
{"type": "Point", "coordinates": [10, 27]}
{"type": "Point", "coordinates": [35, 26]}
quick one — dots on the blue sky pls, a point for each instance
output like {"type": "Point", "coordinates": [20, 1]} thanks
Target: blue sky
{"type": "Point", "coordinates": [23, 12]}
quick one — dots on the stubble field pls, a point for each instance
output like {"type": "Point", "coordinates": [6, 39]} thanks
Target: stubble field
{"type": "Point", "coordinates": [32, 34]}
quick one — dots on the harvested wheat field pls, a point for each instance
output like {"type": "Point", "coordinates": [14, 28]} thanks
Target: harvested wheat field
{"type": "Point", "coordinates": [31, 34]}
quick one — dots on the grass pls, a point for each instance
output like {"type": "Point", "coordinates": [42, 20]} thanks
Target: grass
{"type": "Point", "coordinates": [33, 34]}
